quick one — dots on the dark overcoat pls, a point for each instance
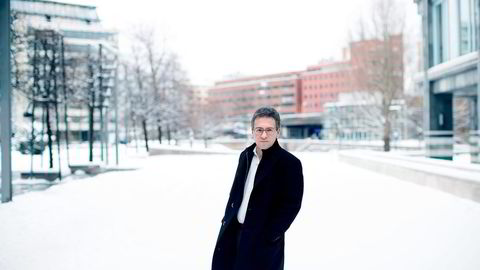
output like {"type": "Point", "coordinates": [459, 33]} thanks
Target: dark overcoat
{"type": "Point", "coordinates": [274, 203]}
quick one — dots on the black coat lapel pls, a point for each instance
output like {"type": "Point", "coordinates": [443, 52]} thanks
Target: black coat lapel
{"type": "Point", "coordinates": [270, 157]}
{"type": "Point", "coordinates": [245, 164]}
{"type": "Point", "coordinates": [265, 168]}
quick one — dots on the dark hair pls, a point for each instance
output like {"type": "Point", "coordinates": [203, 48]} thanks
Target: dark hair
{"type": "Point", "coordinates": [267, 112]}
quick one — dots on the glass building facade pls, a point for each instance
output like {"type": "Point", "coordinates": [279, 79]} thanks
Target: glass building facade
{"type": "Point", "coordinates": [451, 73]}
{"type": "Point", "coordinates": [80, 28]}
{"type": "Point", "coordinates": [83, 34]}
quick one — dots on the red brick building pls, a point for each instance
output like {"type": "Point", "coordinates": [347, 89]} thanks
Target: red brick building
{"type": "Point", "coordinates": [322, 83]}
{"type": "Point", "coordinates": [372, 60]}
{"type": "Point", "coordinates": [303, 91]}
{"type": "Point", "coordinates": [241, 97]}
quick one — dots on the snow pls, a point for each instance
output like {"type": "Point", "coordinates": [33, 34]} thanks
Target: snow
{"type": "Point", "coordinates": [166, 215]}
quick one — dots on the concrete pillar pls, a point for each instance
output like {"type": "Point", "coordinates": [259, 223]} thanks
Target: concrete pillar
{"type": "Point", "coordinates": [5, 102]}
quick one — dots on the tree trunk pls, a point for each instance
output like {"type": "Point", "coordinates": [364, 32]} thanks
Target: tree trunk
{"type": "Point", "coordinates": [160, 134]}
{"type": "Point", "coordinates": [168, 134]}
{"type": "Point", "coordinates": [102, 146]}
{"type": "Point", "coordinates": [65, 106]}
{"type": "Point", "coordinates": [386, 136]}
{"type": "Point", "coordinates": [49, 135]}
{"type": "Point", "coordinates": [90, 132]}
{"type": "Point", "coordinates": [145, 134]}
{"type": "Point", "coordinates": [127, 135]}
{"type": "Point", "coordinates": [135, 137]}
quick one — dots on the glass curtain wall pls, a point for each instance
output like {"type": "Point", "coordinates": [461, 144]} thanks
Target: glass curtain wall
{"type": "Point", "coordinates": [467, 31]}
{"type": "Point", "coordinates": [438, 29]}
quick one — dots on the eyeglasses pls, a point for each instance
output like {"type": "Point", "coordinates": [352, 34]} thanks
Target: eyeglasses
{"type": "Point", "coordinates": [259, 131]}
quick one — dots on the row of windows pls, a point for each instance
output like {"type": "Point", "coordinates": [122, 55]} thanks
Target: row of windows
{"type": "Point", "coordinates": [87, 35]}
{"type": "Point", "coordinates": [252, 98]}
{"type": "Point", "coordinates": [238, 92]}
{"type": "Point", "coordinates": [312, 105]}
{"type": "Point", "coordinates": [332, 95]}
{"type": "Point", "coordinates": [331, 85]}
{"type": "Point", "coordinates": [253, 107]}
{"type": "Point", "coordinates": [325, 76]}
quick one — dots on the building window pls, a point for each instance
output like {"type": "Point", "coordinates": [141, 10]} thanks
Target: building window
{"type": "Point", "coordinates": [466, 26]}
{"type": "Point", "coordinates": [438, 28]}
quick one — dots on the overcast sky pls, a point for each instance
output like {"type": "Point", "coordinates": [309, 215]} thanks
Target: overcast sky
{"type": "Point", "coordinates": [216, 38]}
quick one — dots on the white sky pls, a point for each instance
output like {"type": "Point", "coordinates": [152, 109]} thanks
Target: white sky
{"type": "Point", "coordinates": [215, 38]}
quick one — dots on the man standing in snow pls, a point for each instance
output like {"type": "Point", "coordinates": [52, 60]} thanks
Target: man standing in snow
{"type": "Point", "coordinates": [265, 198]}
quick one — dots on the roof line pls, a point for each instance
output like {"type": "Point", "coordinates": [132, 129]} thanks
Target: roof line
{"type": "Point", "coordinates": [57, 16]}
{"type": "Point", "coordinates": [259, 77]}
{"type": "Point", "coordinates": [57, 3]}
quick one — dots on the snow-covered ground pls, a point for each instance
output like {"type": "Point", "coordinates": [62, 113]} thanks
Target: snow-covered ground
{"type": "Point", "coordinates": [130, 157]}
{"type": "Point", "coordinates": [166, 215]}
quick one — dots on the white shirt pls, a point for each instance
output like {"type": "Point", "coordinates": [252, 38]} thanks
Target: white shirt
{"type": "Point", "coordinates": [248, 187]}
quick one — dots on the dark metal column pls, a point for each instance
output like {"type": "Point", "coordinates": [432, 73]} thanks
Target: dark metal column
{"type": "Point", "coordinates": [5, 102]}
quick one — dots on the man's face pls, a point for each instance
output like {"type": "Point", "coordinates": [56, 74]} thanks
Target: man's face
{"type": "Point", "coordinates": [264, 132]}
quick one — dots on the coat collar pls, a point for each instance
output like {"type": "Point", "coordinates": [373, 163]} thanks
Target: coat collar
{"type": "Point", "coordinates": [267, 152]}
{"type": "Point", "coordinates": [269, 158]}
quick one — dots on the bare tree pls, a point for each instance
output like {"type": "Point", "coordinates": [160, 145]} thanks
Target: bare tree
{"type": "Point", "coordinates": [162, 89]}
{"type": "Point", "coordinates": [414, 115]}
{"type": "Point", "coordinates": [205, 116]}
{"type": "Point", "coordinates": [140, 95]}
{"type": "Point", "coordinates": [377, 64]}
{"type": "Point", "coordinates": [19, 54]}
{"type": "Point", "coordinates": [157, 61]}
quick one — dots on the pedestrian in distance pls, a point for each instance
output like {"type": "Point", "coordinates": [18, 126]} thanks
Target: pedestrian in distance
{"type": "Point", "coordinates": [264, 200]}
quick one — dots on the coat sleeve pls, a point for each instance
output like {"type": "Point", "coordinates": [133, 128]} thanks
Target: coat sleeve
{"type": "Point", "coordinates": [288, 203]}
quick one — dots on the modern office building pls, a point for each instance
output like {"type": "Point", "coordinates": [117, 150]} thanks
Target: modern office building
{"type": "Point", "coordinates": [355, 116]}
{"type": "Point", "coordinates": [86, 43]}
{"type": "Point", "coordinates": [347, 118]}
{"type": "Point", "coordinates": [451, 71]}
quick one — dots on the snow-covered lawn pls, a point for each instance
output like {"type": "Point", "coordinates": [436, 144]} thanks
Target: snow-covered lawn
{"type": "Point", "coordinates": [166, 215]}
